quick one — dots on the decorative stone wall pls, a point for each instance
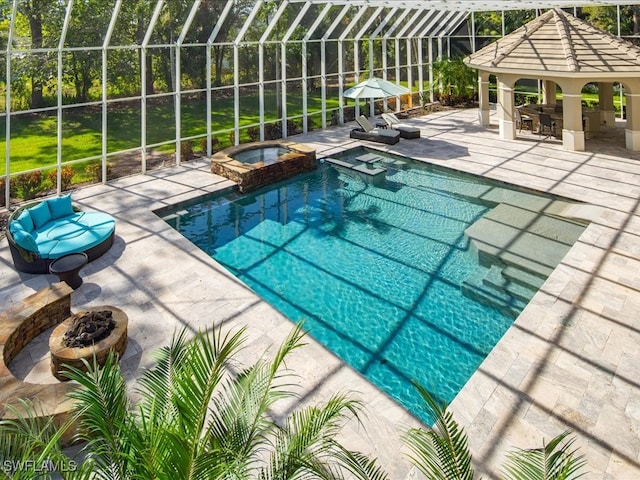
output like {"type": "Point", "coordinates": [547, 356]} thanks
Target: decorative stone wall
{"type": "Point", "coordinates": [18, 326]}
{"type": "Point", "coordinates": [249, 177]}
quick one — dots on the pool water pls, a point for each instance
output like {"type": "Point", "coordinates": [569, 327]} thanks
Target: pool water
{"type": "Point", "coordinates": [372, 266]}
{"type": "Point", "coordinates": [263, 154]}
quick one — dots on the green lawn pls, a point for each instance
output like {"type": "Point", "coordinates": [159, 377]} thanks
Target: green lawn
{"type": "Point", "coordinates": [34, 138]}
{"type": "Point", "coordinates": [589, 98]}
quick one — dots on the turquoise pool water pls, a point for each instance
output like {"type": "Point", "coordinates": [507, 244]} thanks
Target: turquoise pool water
{"type": "Point", "coordinates": [373, 265]}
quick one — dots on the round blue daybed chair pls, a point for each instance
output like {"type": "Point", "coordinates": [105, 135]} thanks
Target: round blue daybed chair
{"type": "Point", "coordinates": [39, 233]}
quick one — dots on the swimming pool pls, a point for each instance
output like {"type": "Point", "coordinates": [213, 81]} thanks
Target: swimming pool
{"type": "Point", "coordinates": [373, 263]}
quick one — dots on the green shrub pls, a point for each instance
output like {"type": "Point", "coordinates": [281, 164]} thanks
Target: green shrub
{"type": "Point", "coordinates": [186, 150]}
{"type": "Point", "coordinates": [94, 170]}
{"type": "Point", "coordinates": [66, 177]}
{"type": "Point", "coordinates": [254, 133]}
{"type": "Point", "coordinates": [28, 184]}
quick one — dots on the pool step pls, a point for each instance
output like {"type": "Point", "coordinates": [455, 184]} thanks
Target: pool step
{"type": "Point", "coordinates": [496, 278]}
{"type": "Point", "coordinates": [366, 167]}
{"type": "Point", "coordinates": [482, 286]}
{"type": "Point", "coordinates": [522, 277]}
{"type": "Point", "coordinates": [529, 241]}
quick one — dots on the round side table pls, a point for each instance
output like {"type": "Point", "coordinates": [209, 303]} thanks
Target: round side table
{"type": "Point", "coordinates": [67, 268]}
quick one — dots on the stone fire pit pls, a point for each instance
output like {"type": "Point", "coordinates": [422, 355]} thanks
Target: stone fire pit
{"type": "Point", "coordinates": [64, 351]}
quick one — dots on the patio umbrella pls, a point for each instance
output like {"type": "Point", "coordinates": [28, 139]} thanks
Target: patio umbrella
{"type": "Point", "coordinates": [375, 87]}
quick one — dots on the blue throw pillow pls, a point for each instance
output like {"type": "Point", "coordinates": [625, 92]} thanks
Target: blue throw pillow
{"type": "Point", "coordinates": [40, 214]}
{"type": "Point", "coordinates": [25, 220]}
{"type": "Point", "coordinates": [25, 240]}
{"type": "Point", "coordinates": [60, 206]}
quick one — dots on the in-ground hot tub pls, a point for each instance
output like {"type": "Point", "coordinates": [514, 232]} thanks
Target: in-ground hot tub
{"type": "Point", "coordinates": [254, 165]}
{"type": "Point", "coordinates": [264, 155]}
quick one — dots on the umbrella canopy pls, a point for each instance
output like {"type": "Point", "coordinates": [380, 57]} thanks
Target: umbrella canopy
{"type": "Point", "coordinates": [375, 88]}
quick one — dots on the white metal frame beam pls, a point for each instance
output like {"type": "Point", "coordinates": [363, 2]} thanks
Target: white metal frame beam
{"type": "Point", "coordinates": [236, 61]}
{"type": "Point", "coordinates": [305, 40]}
{"type": "Point", "coordinates": [323, 60]}
{"type": "Point", "coordinates": [105, 126]}
{"type": "Point", "coordinates": [63, 37]}
{"type": "Point", "coordinates": [473, 5]}
{"type": "Point", "coordinates": [214, 33]}
{"type": "Point", "coordinates": [143, 80]}
{"type": "Point", "coordinates": [7, 145]}
{"type": "Point", "coordinates": [178, 79]}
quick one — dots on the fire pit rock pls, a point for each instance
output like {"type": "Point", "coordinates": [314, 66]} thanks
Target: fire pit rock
{"type": "Point", "coordinates": [93, 332]}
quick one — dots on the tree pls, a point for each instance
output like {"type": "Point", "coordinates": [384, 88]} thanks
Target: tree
{"type": "Point", "coordinates": [453, 80]}
{"type": "Point", "coordinates": [194, 420]}
{"type": "Point", "coordinates": [443, 453]}
{"type": "Point", "coordinates": [4, 26]}
{"type": "Point", "coordinates": [83, 67]}
{"type": "Point", "coordinates": [39, 14]}
{"type": "Point", "coordinates": [606, 18]}
{"type": "Point", "coordinates": [490, 23]}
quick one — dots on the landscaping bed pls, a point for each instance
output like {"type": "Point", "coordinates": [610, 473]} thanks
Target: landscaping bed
{"type": "Point", "coordinates": [4, 217]}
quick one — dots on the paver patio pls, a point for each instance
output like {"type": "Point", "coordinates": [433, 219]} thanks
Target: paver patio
{"type": "Point", "coordinates": [570, 361]}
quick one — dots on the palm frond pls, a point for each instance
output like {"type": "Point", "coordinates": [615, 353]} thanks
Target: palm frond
{"type": "Point", "coordinates": [239, 417]}
{"type": "Point", "coordinates": [31, 442]}
{"type": "Point", "coordinates": [441, 453]}
{"type": "Point", "coordinates": [176, 394]}
{"type": "Point", "coordinates": [361, 466]}
{"type": "Point", "coordinates": [156, 385]}
{"type": "Point", "coordinates": [174, 433]}
{"type": "Point", "coordinates": [103, 410]}
{"type": "Point", "coordinates": [306, 443]}
{"type": "Point", "coordinates": [554, 461]}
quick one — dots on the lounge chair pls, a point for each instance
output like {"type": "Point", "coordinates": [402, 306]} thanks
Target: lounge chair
{"type": "Point", "coordinates": [406, 131]}
{"type": "Point", "coordinates": [373, 134]}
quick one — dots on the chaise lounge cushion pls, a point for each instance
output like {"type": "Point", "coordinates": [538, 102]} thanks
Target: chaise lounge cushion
{"type": "Point", "coordinates": [406, 131]}
{"type": "Point", "coordinates": [389, 136]}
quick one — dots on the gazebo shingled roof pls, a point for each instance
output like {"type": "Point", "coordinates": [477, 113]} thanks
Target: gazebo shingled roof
{"type": "Point", "coordinates": [557, 42]}
{"type": "Point", "coordinates": [562, 49]}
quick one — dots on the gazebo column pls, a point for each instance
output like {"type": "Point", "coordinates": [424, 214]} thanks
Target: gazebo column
{"type": "Point", "coordinates": [605, 99]}
{"type": "Point", "coordinates": [632, 132]}
{"type": "Point", "coordinates": [506, 103]}
{"type": "Point", "coordinates": [483, 99]}
{"type": "Point", "coordinates": [549, 92]}
{"type": "Point", "coordinates": [572, 129]}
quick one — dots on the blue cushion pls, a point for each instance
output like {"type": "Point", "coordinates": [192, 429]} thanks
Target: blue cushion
{"type": "Point", "coordinates": [40, 214]}
{"type": "Point", "coordinates": [25, 220]}
{"type": "Point", "coordinates": [25, 240]}
{"type": "Point", "coordinates": [76, 233]}
{"type": "Point", "coordinates": [60, 206]}
{"type": "Point", "coordinates": [16, 227]}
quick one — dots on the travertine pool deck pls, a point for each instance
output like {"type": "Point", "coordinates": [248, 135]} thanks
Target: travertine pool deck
{"type": "Point", "coordinates": [570, 361]}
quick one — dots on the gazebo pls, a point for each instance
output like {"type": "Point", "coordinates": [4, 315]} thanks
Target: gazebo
{"type": "Point", "coordinates": [562, 50]}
